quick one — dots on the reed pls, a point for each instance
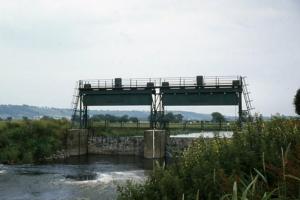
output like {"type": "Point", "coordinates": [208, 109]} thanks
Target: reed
{"type": "Point", "coordinates": [260, 161]}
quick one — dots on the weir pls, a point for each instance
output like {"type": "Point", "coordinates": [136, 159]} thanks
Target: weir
{"type": "Point", "coordinates": [158, 93]}
{"type": "Point", "coordinates": [145, 146]}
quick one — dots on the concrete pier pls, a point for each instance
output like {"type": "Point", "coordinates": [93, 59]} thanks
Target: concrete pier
{"type": "Point", "coordinates": [77, 142]}
{"type": "Point", "coordinates": [154, 143]}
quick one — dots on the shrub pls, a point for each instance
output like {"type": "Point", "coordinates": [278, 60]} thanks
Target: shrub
{"type": "Point", "coordinates": [263, 156]}
{"type": "Point", "coordinates": [31, 141]}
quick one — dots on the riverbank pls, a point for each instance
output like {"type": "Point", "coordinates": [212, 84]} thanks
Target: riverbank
{"type": "Point", "coordinates": [261, 161]}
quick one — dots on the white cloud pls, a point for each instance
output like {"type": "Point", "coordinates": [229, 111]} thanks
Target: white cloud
{"type": "Point", "coordinates": [46, 45]}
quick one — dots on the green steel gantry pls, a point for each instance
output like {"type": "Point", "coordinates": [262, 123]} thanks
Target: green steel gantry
{"type": "Point", "coordinates": [158, 93]}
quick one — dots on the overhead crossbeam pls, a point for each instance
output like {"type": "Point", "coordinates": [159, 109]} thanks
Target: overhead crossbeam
{"type": "Point", "coordinates": [117, 97]}
{"type": "Point", "coordinates": [200, 97]}
{"type": "Point", "coordinates": [160, 92]}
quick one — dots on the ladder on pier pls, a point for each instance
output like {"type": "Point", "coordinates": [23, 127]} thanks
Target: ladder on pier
{"type": "Point", "coordinates": [75, 102]}
{"type": "Point", "coordinates": [247, 99]}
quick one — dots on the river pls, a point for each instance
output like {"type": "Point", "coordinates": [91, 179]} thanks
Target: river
{"type": "Point", "coordinates": [77, 178]}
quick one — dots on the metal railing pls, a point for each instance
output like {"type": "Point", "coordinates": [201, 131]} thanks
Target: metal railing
{"type": "Point", "coordinates": [158, 82]}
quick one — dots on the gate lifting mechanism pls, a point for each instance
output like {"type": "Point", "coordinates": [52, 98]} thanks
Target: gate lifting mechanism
{"type": "Point", "coordinates": [158, 93]}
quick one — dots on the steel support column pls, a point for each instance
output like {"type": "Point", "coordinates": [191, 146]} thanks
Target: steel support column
{"type": "Point", "coordinates": [157, 111]}
{"type": "Point", "coordinates": [240, 109]}
{"type": "Point", "coordinates": [153, 114]}
{"type": "Point", "coordinates": [161, 121]}
{"type": "Point", "coordinates": [80, 111]}
{"type": "Point", "coordinates": [240, 102]}
{"type": "Point", "coordinates": [85, 117]}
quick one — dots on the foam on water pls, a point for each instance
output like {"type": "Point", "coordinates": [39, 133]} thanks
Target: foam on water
{"type": "Point", "coordinates": [137, 175]}
{"type": "Point", "coordinates": [110, 177]}
{"type": "Point", "coordinates": [2, 169]}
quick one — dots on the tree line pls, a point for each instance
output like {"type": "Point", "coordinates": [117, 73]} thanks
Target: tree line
{"type": "Point", "coordinates": [169, 117]}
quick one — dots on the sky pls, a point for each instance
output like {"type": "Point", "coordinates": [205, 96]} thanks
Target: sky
{"type": "Point", "coordinates": [47, 45]}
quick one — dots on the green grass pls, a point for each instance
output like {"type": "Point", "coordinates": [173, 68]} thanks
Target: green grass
{"type": "Point", "coordinates": [261, 161]}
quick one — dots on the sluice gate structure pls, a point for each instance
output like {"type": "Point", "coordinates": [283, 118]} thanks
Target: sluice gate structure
{"type": "Point", "coordinates": [158, 93]}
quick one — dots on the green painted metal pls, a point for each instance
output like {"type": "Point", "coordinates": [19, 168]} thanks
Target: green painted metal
{"type": "Point", "coordinates": [200, 96]}
{"type": "Point", "coordinates": [117, 100]}
{"type": "Point", "coordinates": [195, 90]}
{"type": "Point", "coordinates": [116, 97]}
{"type": "Point", "coordinates": [201, 99]}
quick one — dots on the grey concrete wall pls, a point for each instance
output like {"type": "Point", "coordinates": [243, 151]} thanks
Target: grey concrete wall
{"type": "Point", "coordinates": [77, 142]}
{"type": "Point", "coordinates": [109, 145]}
{"type": "Point", "coordinates": [154, 143]}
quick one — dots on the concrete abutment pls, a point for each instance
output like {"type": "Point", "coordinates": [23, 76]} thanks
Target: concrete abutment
{"type": "Point", "coordinates": [154, 144]}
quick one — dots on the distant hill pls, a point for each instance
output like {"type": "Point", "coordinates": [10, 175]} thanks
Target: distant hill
{"type": "Point", "coordinates": [34, 112]}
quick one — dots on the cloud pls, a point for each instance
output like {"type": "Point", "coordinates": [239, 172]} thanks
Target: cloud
{"type": "Point", "coordinates": [50, 44]}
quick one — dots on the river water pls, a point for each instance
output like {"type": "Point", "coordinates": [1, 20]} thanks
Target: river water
{"type": "Point", "coordinates": [77, 178]}
{"type": "Point", "coordinates": [205, 134]}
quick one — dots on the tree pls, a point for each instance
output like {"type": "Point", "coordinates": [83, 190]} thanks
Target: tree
{"type": "Point", "coordinates": [297, 102]}
{"type": "Point", "coordinates": [111, 118]}
{"type": "Point", "coordinates": [134, 119]}
{"type": "Point", "coordinates": [24, 118]}
{"type": "Point", "coordinates": [99, 117]}
{"type": "Point", "coordinates": [178, 118]}
{"type": "Point", "coordinates": [217, 117]}
{"type": "Point", "coordinates": [45, 117]}
{"type": "Point", "coordinates": [169, 117]}
{"type": "Point", "coordinates": [124, 118]}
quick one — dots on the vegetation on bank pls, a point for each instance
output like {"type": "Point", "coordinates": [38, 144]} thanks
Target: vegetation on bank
{"type": "Point", "coordinates": [27, 141]}
{"type": "Point", "coordinates": [297, 102]}
{"type": "Point", "coordinates": [261, 161]}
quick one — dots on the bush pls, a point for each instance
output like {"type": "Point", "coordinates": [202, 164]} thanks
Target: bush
{"type": "Point", "coordinates": [31, 141]}
{"type": "Point", "coordinates": [263, 155]}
